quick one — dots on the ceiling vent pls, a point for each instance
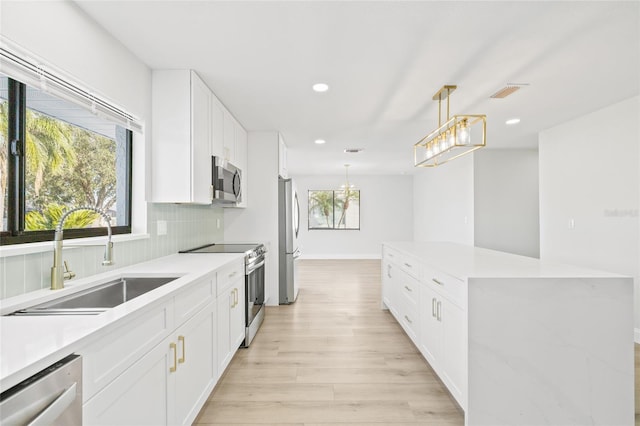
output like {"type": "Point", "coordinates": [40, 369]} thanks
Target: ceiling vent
{"type": "Point", "coordinates": [508, 90]}
{"type": "Point", "coordinates": [353, 150]}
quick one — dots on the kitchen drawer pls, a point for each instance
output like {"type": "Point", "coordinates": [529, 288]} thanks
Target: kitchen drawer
{"type": "Point", "coordinates": [111, 354]}
{"type": "Point", "coordinates": [409, 319]}
{"type": "Point", "coordinates": [391, 255]}
{"type": "Point", "coordinates": [450, 287]}
{"type": "Point", "coordinates": [407, 263]}
{"type": "Point", "coordinates": [194, 297]}
{"type": "Point", "coordinates": [410, 289]}
{"type": "Point", "coordinates": [228, 274]}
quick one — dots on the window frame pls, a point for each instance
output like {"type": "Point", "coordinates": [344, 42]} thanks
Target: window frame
{"type": "Point", "coordinates": [16, 181]}
{"type": "Point", "coordinates": [333, 194]}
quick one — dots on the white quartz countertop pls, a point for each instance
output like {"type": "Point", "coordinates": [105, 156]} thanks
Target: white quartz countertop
{"type": "Point", "coordinates": [29, 344]}
{"type": "Point", "coordinates": [465, 262]}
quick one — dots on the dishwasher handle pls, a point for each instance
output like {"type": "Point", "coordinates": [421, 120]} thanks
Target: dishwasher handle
{"type": "Point", "coordinates": [57, 407]}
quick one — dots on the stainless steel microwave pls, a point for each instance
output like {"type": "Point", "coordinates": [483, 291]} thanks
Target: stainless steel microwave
{"type": "Point", "coordinates": [226, 182]}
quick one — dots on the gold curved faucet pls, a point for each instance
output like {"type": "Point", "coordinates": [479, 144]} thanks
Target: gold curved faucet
{"type": "Point", "coordinates": [58, 274]}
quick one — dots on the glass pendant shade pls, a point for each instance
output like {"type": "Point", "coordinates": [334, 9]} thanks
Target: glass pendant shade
{"type": "Point", "coordinates": [459, 135]}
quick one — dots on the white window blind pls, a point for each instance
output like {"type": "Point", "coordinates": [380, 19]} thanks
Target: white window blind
{"type": "Point", "coordinates": [23, 66]}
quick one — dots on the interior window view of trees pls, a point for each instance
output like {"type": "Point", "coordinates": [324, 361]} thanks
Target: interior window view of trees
{"type": "Point", "coordinates": [72, 158]}
{"type": "Point", "coordinates": [330, 209]}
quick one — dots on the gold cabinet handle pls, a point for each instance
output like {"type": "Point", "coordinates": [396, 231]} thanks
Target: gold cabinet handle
{"type": "Point", "coordinates": [408, 265]}
{"type": "Point", "coordinates": [439, 311]}
{"type": "Point", "coordinates": [408, 288]}
{"type": "Point", "coordinates": [173, 347]}
{"type": "Point", "coordinates": [181, 359]}
{"type": "Point", "coordinates": [433, 307]}
{"type": "Point", "coordinates": [235, 297]}
{"type": "Point", "coordinates": [436, 281]}
{"type": "Point", "coordinates": [407, 318]}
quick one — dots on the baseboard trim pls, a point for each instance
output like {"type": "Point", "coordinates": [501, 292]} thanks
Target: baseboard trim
{"type": "Point", "coordinates": [636, 335]}
{"type": "Point", "coordinates": [340, 256]}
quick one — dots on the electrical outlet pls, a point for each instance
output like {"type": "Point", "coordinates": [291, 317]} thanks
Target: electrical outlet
{"type": "Point", "coordinates": [162, 227]}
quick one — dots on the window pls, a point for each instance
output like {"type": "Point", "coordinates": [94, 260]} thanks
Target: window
{"type": "Point", "coordinates": [330, 209]}
{"type": "Point", "coordinates": [56, 155]}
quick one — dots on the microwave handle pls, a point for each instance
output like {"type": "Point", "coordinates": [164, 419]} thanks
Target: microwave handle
{"type": "Point", "coordinates": [236, 184]}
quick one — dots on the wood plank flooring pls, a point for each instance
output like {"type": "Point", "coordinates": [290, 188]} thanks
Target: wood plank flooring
{"type": "Point", "coordinates": [333, 357]}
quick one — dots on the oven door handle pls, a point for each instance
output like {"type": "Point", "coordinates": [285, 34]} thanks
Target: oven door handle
{"type": "Point", "coordinates": [253, 267]}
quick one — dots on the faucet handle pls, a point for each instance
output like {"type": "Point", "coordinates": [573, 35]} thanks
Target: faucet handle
{"type": "Point", "coordinates": [67, 275]}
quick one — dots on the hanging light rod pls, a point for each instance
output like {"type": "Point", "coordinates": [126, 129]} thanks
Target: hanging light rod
{"type": "Point", "coordinates": [459, 135]}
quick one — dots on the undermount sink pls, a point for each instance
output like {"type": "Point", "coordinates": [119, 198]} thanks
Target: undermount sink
{"type": "Point", "coordinates": [98, 299]}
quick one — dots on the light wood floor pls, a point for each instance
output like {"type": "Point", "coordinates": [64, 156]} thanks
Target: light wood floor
{"type": "Point", "coordinates": [334, 357]}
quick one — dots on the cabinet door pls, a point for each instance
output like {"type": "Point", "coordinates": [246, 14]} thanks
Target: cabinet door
{"type": "Point", "coordinates": [431, 341]}
{"type": "Point", "coordinates": [225, 303]}
{"type": "Point", "coordinates": [229, 138]}
{"type": "Point", "coordinates": [195, 375]}
{"type": "Point", "coordinates": [454, 337]}
{"type": "Point", "coordinates": [237, 319]}
{"type": "Point", "coordinates": [217, 127]}
{"type": "Point", "coordinates": [241, 141]}
{"type": "Point", "coordinates": [139, 396]}
{"type": "Point", "coordinates": [200, 141]}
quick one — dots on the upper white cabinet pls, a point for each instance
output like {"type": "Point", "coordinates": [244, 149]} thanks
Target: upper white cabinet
{"type": "Point", "coordinates": [229, 142]}
{"type": "Point", "coordinates": [181, 138]}
{"type": "Point", "coordinates": [282, 158]}
{"type": "Point", "coordinates": [189, 125]}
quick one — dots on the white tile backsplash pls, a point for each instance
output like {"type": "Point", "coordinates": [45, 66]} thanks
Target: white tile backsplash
{"type": "Point", "coordinates": [187, 226]}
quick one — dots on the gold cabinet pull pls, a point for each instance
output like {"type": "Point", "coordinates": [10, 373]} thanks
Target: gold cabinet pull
{"type": "Point", "coordinates": [237, 296]}
{"type": "Point", "coordinates": [437, 281]}
{"type": "Point", "coordinates": [173, 347]}
{"type": "Point", "coordinates": [408, 288]}
{"type": "Point", "coordinates": [181, 359]}
{"type": "Point", "coordinates": [409, 320]}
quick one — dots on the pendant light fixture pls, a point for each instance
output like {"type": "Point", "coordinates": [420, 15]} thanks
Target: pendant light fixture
{"type": "Point", "coordinates": [347, 186]}
{"type": "Point", "coordinates": [458, 135]}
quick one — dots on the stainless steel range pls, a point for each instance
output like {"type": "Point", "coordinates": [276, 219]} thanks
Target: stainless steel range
{"type": "Point", "coordinates": [254, 255]}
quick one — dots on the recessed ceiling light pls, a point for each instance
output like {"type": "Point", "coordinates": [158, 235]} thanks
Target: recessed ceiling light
{"type": "Point", "coordinates": [319, 141]}
{"type": "Point", "coordinates": [320, 87]}
{"type": "Point", "coordinates": [512, 121]}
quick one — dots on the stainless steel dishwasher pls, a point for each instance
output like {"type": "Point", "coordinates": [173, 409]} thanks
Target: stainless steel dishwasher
{"type": "Point", "coordinates": [51, 397]}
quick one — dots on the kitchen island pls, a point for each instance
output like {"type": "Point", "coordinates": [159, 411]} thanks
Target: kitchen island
{"type": "Point", "coordinates": [517, 340]}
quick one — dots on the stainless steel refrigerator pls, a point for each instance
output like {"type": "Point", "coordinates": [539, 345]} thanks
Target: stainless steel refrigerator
{"type": "Point", "coordinates": [288, 252]}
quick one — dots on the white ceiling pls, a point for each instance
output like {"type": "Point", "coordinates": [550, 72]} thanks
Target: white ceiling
{"type": "Point", "coordinates": [383, 61]}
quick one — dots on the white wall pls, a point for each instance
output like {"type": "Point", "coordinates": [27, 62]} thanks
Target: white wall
{"type": "Point", "coordinates": [506, 201]}
{"type": "Point", "coordinates": [589, 175]}
{"type": "Point", "coordinates": [66, 38]}
{"type": "Point", "coordinates": [386, 214]}
{"type": "Point", "coordinates": [259, 221]}
{"type": "Point", "coordinates": [443, 202]}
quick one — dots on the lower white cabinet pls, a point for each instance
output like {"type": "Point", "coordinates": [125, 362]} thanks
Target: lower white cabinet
{"type": "Point", "coordinates": [168, 385]}
{"type": "Point", "coordinates": [159, 367]}
{"type": "Point", "coordinates": [231, 303]}
{"type": "Point", "coordinates": [430, 307]}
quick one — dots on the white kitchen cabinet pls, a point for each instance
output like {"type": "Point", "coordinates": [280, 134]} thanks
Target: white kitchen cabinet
{"type": "Point", "coordinates": [181, 132]}
{"type": "Point", "coordinates": [139, 396]}
{"type": "Point", "coordinates": [217, 127]}
{"type": "Point", "coordinates": [159, 366]}
{"type": "Point", "coordinates": [282, 158]}
{"type": "Point", "coordinates": [196, 371]}
{"type": "Point", "coordinates": [229, 141]}
{"type": "Point", "coordinates": [168, 385]}
{"type": "Point", "coordinates": [230, 325]}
